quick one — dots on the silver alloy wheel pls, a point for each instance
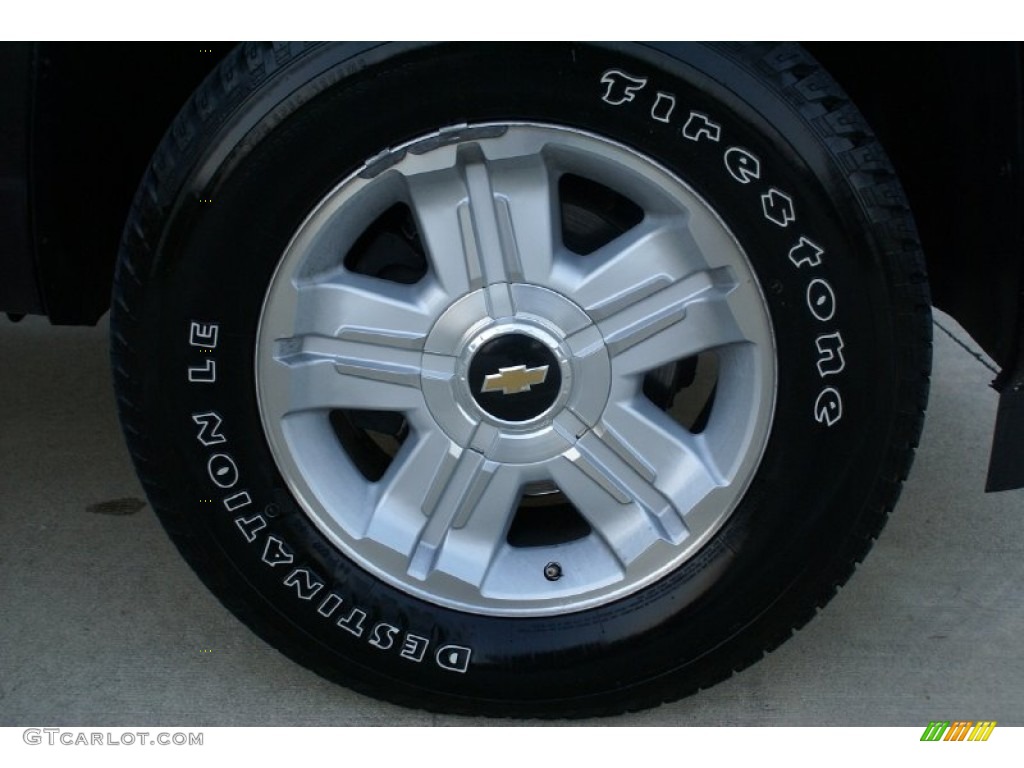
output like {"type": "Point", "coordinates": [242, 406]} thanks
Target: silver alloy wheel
{"type": "Point", "coordinates": [485, 200]}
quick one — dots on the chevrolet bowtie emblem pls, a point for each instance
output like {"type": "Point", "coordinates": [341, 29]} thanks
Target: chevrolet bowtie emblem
{"type": "Point", "coordinates": [511, 381]}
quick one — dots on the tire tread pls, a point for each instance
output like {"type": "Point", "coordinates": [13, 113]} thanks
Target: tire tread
{"type": "Point", "coordinates": [803, 85]}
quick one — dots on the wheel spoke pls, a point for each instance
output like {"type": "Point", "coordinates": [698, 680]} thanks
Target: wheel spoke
{"type": "Point", "coordinates": [672, 459]}
{"type": "Point", "coordinates": [438, 200]}
{"type": "Point", "coordinates": [322, 373]}
{"type": "Point", "coordinates": [648, 258]}
{"type": "Point", "coordinates": [352, 306]}
{"type": "Point", "coordinates": [443, 508]}
{"type": "Point", "coordinates": [401, 507]}
{"type": "Point", "coordinates": [677, 321]}
{"type": "Point", "coordinates": [528, 214]}
{"type": "Point", "coordinates": [479, 529]}
{"type": "Point", "coordinates": [484, 222]}
{"type": "Point", "coordinates": [652, 295]}
{"type": "Point", "coordinates": [356, 343]}
{"type": "Point", "coordinates": [454, 496]}
{"type": "Point", "coordinates": [614, 496]}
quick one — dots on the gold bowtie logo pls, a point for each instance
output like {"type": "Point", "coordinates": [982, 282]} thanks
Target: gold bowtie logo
{"type": "Point", "coordinates": [512, 381]}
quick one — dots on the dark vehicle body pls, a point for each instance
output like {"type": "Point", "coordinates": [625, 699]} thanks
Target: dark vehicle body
{"type": "Point", "coordinates": [80, 122]}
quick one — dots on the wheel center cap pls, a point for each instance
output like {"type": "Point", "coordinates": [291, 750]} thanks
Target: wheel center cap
{"type": "Point", "coordinates": [514, 377]}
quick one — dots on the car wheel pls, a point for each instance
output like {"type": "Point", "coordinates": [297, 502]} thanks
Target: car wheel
{"type": "Point", "coordinates": [546, 380]}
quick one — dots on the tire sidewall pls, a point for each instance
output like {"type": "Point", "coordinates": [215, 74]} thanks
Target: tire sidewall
{"type": "Point", "coordinates": [215, 261]}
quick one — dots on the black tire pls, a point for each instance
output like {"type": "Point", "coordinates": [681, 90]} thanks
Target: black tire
{"type": "Point", "coordinates": [766, 139]}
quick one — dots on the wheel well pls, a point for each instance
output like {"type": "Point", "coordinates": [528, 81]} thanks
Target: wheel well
{"type": "Point", "coordinates": [950, 117]}
{"type": "Point", "coordinates": [98, 112]}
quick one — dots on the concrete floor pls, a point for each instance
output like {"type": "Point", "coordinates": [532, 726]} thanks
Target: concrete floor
{"type": "Point", "coordinates": [103, 624]}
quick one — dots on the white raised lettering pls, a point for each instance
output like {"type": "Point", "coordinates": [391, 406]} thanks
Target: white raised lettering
{"type": "Point", "coordinates": [250, 526]}
{"type": "Point", "coordinates": [276, 553]}
{"type": "Point", "coordinates": [830, 354]}
{"type": "Point", "coordinates": [742, 165]}
{"type": "Point", "coordinates": [203, 374]}
{"type": "Point", "coordinates": [203, 334]}
{"type": "Point", "coordinates": [414, 647]}
{"type": "Point", "coordinates": [209, 428]}
{"type": "Point", "coordinates": [237, 501]}
{"type": "Point", "coordinates": [383, 636]}
{"type": "Point", "coordinates": [353, 622]}
{"type": "Point", "coordinates": [454, 658]}
{"type": "Point", "coordinates": [621, 88]}
{"type": "Point", "coordinates": [778, 207]}
{"type": "Point", "coordinates": [821, 300]}
{"type": "Point", "coordinates": [805, 254]}
{"type": "Point", "coordinates": [664, 103]}
{"type": "Point", "coordinates": [828, 408]}
{"type": "Point", "coordinates": [698, 126]}
{"type": "Point", "coordinates": [329, 605]}
{"type": "Point", "coordinates": [222, 470]}
{"type": "Point", "coordinates": [305, 582]}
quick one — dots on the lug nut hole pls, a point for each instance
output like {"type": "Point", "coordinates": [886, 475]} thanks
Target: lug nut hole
{"type": "Point", "coordinates": [552, 571]}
